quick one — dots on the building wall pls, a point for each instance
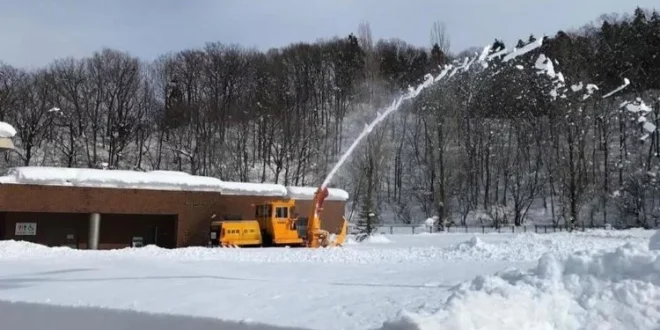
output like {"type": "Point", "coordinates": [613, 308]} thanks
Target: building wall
{"type": "Point", "coordinates": [71, 229]}
{"type": "Point", "coordinates": [117, 206]}
{"type": "Point", "coordinates": [52, 228]}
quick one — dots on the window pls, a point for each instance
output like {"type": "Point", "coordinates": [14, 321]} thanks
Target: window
{"type": "Point", "coordinates": [264, 211]}
{"type": "Point", "coordinates": [282, 212]}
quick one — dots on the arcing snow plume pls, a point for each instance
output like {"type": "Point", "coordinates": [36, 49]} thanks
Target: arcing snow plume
{"type": "Point", "coordinates": [428, 81]}
{"type": "Point", "coordinates": [523, 50]}
{"type": "Point", "coordinates": [626, 82]}
{"type": "Point", "coordinates": [617, 289]}
{"type": "Point", "coordinates": [393, 107]}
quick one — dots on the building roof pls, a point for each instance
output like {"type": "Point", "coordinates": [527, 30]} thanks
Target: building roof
{"type": "Point", "coordinates": [155, 180]}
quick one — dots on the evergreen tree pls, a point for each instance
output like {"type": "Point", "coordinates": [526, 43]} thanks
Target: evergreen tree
{"type": "Point", "coordinates": [368, 219]}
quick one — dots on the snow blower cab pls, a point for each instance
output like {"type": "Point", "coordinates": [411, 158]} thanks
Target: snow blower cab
{"type": "Point", "coordinates": [278, 224]}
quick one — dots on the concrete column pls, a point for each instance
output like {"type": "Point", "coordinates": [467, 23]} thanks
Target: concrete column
{"type": "Point", "coordinates": [94, 227]}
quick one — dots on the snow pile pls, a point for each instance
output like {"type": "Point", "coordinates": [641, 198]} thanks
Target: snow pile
{"type": "Point", "coordinates": [371, 239]}
{"type": "Point", "coordinates": [6, 130]}
{"type": "Point", "coordinates": [617, 289]}
{"type": "Point", "coordinates": [430, 222]}
{"type": "Point", "coordinates": [530, 246]}
{"type": "Point", "coordinates": [377, 239]}
{"type": "Point", "coordinates": [527, 245]}
{"type": "Point", "coordinates": [654, 241]}
{"type": "Point", "coordinates": [473, 246]}
{"type": "Point", "coordinates": [11, 249]}
{"type": "Point", "coordinates": [632, 233]}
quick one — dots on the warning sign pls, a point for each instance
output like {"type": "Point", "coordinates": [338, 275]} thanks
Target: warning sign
{"type": "Point", "coordinates": [26, 229]}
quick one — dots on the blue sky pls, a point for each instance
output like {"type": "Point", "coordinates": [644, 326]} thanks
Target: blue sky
{"type": "Point", "coordinates": [34, 32]}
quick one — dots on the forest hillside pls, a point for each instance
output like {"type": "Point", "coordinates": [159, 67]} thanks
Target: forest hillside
{"type": "Point", "coordinates": [494, 145]}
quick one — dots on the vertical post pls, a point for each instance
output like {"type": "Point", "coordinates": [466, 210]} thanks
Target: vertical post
{"type": "Point", "coordinates": [94, 228]}
{"type": "Point", "coordinates": [156, 235]}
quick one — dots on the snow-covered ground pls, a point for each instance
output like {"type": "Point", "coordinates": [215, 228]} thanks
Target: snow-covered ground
{"type": "Point", "coordinates": [596, 279]}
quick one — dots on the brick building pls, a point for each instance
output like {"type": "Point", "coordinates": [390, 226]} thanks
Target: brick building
{"type": "Point", "coordinates": [91, 208]}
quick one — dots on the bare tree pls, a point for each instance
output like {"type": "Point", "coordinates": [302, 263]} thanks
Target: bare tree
{"type": "Point", "coordinates": [440, 37]}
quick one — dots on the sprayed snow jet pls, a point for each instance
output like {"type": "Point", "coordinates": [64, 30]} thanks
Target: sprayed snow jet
{"type": "Point", "coordinates": [543, 66]}
{"type": "Point", "coordinates": [429, 80]}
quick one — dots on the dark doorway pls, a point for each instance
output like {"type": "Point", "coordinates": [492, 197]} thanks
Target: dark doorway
{"type": "Point", "coordinates": [3, 226]}
{"type": "Point", "coordinates": [51, 229]}
{"type": "Point", "coordinates": [121, 230]}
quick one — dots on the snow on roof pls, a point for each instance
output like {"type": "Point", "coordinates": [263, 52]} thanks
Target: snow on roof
{"type": "Point", "coordinates": [307, 193]}
{"type": "Point", "coordinates": [256, 189]}
{"type": "Point", "coordinates": [6, 130]}
{"type": "Point", "coordinates": [154, 180]}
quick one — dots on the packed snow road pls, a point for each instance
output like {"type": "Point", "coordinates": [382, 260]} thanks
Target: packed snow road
{"type": "Point", "coordinates": [403, 281]}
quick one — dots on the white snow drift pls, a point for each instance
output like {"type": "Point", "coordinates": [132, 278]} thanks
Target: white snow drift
{"type": "Point", "coordinates": [617, 289]}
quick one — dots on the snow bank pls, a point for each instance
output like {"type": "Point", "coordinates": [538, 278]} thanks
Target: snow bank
{"type": "Point", "coordinates": [155, 180]}
{"type": "Point", "coordinates": [617, 289]}
{"type": "Point", "coordinates": [377, 239]}
{"type": "Point", "coordinates": [473, 245]}
{"type": "Point", "coordinates": [530, 246]}
{"type": "Point", "coordinates": [6, 130]}
{"type": "Point", "coordinates": [654, 241]}
{"type": "Point", "coordinates": [307, 193]}
{"type": "Point", "coordinates": [425, 249]}
{"type": "Point", "coordinates": [11, 249]}
{"type": "Point", "coordinates": [633, 233]}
